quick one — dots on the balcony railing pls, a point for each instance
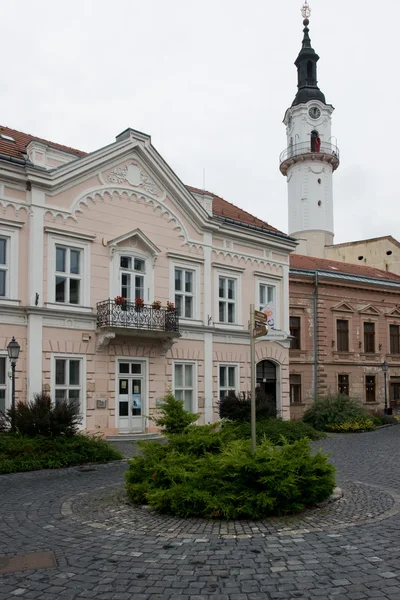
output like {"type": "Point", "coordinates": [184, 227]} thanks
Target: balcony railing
{"type": "Point", "coordinates": [129, 316]}
{"type": "Point", "coordinates": [326, 151]}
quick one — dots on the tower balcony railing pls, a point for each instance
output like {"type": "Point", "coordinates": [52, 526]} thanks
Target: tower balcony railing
{"type": "Point", "coordinates": [130, 316]}
{"type": "Point", "coordinates": [324, 151]}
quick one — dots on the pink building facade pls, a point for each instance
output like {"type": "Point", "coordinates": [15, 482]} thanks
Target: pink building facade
{"type": "Point", "coordinates": [79, 230]}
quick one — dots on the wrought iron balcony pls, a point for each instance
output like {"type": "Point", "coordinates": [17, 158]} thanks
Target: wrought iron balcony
{"type": "Point", "coordinates": [324, 152]}
{"type": "Point", "coordinates": [143, 319]}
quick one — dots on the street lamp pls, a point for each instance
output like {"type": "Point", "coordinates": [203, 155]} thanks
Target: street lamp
{"type": "Point", "coordinates": [13, 349]}
{"type": "Point", "coordinates": [385, 367]}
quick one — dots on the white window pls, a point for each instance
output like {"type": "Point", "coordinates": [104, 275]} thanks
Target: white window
{"type": "Point", "coordinates": [184, 292]}
{"type": "Point", "coordinates": [68, 275]}
{"type": "Point", "coordinates": [227, 299]}
{"type": "Point", "coordinates": [184, 384]}
{"type": "Point", "coordinates": [3, 382]}
{"type": "Point", "coordinates": [228, 377]}
{"type": "Point", "coordinates": [132, 278]}
{"type": "Point", "coordinates": [4, 266]}
{"type": "Point", "coordinates": [68, 380]}
{"type": "Point", "coordinates": [267, 295]}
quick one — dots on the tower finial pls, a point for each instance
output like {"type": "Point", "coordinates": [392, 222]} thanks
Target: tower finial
{"type": "Point", "coordinates": [305, 11]}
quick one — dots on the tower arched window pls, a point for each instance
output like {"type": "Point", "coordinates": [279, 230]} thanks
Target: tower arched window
{"type": "Point", "coordinates": [310, 72]}
{"type": "Point", "coordinates": [315, 141]}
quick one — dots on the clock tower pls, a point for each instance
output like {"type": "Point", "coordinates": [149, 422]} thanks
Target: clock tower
{"type": "Point", "coordinates": [310, 156]}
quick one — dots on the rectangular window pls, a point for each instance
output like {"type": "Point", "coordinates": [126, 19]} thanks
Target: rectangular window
{"type": "Point", "coordinates": [68, 380]}
{"type": "Point", "coordinates": [184, 292]}
{"type": "Point", "coordinates": [394, 339]}
{"type": "Point", "coordinates": [132, 278]}
{"type": "Point", "coordinates": [343, 385]}
{"type": "Point", "coordinates": [295, 389]}
{"type": "Point", "coordinates": [3, 383]}
{"type": "Point", "coordinates": [184, 384]}
{"type": "Point", "coordinates": [295, 333]}
{"type": "Point", "coordinates": [68, 275]}
{"type": "Point", "coordinates": [342, 332]}
{"type": "Point", "coordinates": [227, 379]}
{"type": "Point", "coordinates": [267, 295]}
{"type": "Point", "coordinates": [369, 337]}
{"type": "Point", "coordinates": [370, 388]}
{"type": "Point", "coordinates": [227, 294]}
{"type": "Point", "coordinates": [3, 267]}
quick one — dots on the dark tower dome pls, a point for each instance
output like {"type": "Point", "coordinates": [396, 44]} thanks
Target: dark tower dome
{"type": "Point", "coordinates": [306, 64]}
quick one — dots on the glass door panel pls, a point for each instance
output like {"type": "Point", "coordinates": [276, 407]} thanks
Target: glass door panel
{"type": "Point", "coordinates": [123, 404]}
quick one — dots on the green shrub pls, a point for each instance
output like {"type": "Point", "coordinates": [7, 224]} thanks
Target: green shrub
{"type": "Point", "coordinates": [355, 425]}
{"type": "Point", "coordinates": [19, 453]}
{"type": "Point", "coordinates": [237, 407]}
{"type": "Point", "coordinates": [174, 418]}
{"type": "Point", "coordinates": [275, 430]}
{"type": "Point", "coordinates": [380, 418]}
{"type": "Point", "coordinates": [42, 417]}
{"type": "Point", "coordinates": [333, 409]}
{"type": "Point", "coordinates": [232, 483]}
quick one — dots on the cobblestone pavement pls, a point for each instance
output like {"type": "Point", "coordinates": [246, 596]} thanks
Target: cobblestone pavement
{"type": "Point", "coordinates": [107, 550]}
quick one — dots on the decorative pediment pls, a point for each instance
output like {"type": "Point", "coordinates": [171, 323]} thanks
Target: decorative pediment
{"type": "Point", "coordinates": [134, 239]}
{"type": "Point", "coordinates": [369, 310]}
{"type": "Point", "coordinates": [394, 313]}
{"type": "Point", "coordinates": [343, 307]}
{"type": "Point", "coordinates": [135, 176]}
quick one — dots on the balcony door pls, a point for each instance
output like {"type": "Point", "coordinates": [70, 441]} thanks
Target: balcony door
{"type": "Point", "coordinates": [132, 396]}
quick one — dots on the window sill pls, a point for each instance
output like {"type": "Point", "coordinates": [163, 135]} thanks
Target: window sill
{"type": "Point", "coordinates": [375, 356]}
{"type": "Point", "coordinates": [68, 307]}
{"type": "Point", "coordinates": [186, 321]}
{"type": "Point", "coordinates": [228, 326]}
{"type": "Point", "coordinates": [9, 302]}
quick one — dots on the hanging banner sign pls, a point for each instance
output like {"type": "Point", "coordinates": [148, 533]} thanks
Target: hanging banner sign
{"type": "Point", "coordinates": [269, 311]}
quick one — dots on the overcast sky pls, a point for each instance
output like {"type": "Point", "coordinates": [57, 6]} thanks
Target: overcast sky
{"type": "Point", "coordinates": [210, 82]}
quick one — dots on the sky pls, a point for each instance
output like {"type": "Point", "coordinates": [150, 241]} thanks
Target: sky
{"type": "Point", "coordinates": [210, 82]}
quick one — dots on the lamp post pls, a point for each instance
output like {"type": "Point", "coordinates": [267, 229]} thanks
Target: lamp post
{"type": "Point", "coordinates": [13, 349]}
{"type": "Point", "coordinates": [385, 367]}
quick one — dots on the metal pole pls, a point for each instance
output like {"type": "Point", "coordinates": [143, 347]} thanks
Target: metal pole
{"type": "Point", "coordinates": [253, 378]}
{"type": "Point", "coordinates": [13, 397]}
{"type": "Point", "coordinates": [386, 398]}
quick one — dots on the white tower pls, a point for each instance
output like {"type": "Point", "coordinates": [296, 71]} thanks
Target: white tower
{"type": "Point", "coordinates": [310, 157]}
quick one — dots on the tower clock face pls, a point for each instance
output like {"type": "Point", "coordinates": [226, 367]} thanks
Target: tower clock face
{"type": "Point", "coordinates": [314, 112]}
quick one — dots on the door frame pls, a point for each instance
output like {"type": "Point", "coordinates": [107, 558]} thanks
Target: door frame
{"type": "Point", "coordinates": [146, 379]}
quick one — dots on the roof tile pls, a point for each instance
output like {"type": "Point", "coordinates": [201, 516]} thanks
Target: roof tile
{"type": "Point", "coordinates": [311, 263]}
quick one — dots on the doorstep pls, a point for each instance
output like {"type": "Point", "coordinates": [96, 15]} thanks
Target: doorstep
{"type": "Point", "coordinates": [133, 437]}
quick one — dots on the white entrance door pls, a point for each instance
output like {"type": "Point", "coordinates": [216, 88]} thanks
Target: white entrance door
{"type": "Point", "coordinates": [131, 396]}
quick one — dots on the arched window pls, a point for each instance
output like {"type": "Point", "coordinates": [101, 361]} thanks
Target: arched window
{"type": "Point", "coordinates": [315, 141]}
{"type": "Point", "coordinates": [310, 70]}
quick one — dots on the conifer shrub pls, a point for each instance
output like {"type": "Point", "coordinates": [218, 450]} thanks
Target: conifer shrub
{"type": "Point", "coordinates": [230, 483]}
{"type": "Point", "coordinates": [276, 430]}
{"type": "Point", "coordinates": [333, 409]}
{"type": "Point", "coordinates": [42, 417]}
{"type": "Point", "coordinates": [353, 426]}
{"type": "Point", "coordinates": [173, 417]}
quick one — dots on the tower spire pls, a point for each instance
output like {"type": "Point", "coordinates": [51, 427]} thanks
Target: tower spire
{"type": "Point", "coordinates": [306, 64]}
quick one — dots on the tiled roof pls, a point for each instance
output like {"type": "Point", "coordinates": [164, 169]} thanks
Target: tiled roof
{"type": "Point", "coordinates": [310, 263]}
{"type": "Point", "coordinates": [223, 208]}
{"type": "Point", "coordinates": [389, 238]}
{"type": "Point", "coordinates": [18, 147]}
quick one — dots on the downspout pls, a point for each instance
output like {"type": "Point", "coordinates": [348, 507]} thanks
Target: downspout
{"type": "Point", "coordinates": [315, 315]}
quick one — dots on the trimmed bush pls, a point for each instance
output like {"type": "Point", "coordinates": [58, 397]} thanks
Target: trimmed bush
{"type": "Point", "coordinates": [18, 453]}
{"type": "Point", "coordinates": [356, 425]}
{"type": "Point", "coordinates": [231, 483]}
{"type": "Point", "coordinates": [333, 410]}
{"type": "Point", "coordinates": [237, 407]}
{"type": "Point", "coordinates": [42, 417]}
{"type": "Point", "coordinates": [275, 430]}
{"type": "Point", "coordinates": [174, 418]}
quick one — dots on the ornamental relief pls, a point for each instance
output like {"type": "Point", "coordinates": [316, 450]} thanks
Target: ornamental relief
{"type": "Point", "coordinates": [133, 175]}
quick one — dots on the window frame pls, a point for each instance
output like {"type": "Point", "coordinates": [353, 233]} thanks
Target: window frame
{"type": "Point", "coordinates": [274, 283]}
{"type": "Point", "coordinates": [195, 269]}
{"type": "Point", "coordinates": [6, 386]}
{"type": "Point", "coordinates": [298, 386]}
{"type": "Point", "coordinates": [12, 263]}
{"type": "Point", "coordinates": [237, 276]}
{"type": "Point", "coordinates": [298, 338]}
{"type": "Point", "coordinates": [236, 365]}
{"type": "Point", "coordinates": [343, 384]}
{"type": "Point", "coordinates": [342, 331]}
{"type": "Point", "coordinates": [115, 271]}
{"type": "Point", "coordinates": [68, 276]}
{"type": "Point", "coordinates": [71, 243]}
{"type": "Point", "coordinates": [366, 351]}
{"type": "Point", "coordinates": [83, 374]}
{"type": "Point", "coordinates": [193, 364]}
{"type": "Point", "coordinates": [374, 389]}
{"type": "Point", "coordinates": [391, 337]}
{"type": "Point", "coordinates": [133, 273]}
